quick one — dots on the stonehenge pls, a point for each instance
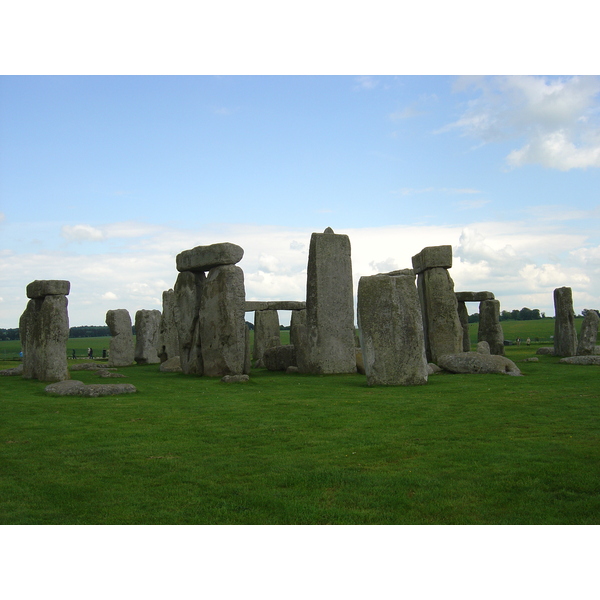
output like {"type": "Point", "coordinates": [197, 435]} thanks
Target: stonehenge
{"type": "Point", "coordinates": [44, 331]}
{"type": "Point", "coordinates": [411, 322]}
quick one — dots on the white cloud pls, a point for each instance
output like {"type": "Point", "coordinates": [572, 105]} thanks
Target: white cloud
{"type": "Point", "coordinates": [366, 82]}
{"type": "Point", "coordinates": [78, 233]}
{"type": "Point", "coordinates": [127, 229]}
{"type": "Point", "coordinates": [109, 296]}
{"type": "Point", "coordinates": [557, 117]}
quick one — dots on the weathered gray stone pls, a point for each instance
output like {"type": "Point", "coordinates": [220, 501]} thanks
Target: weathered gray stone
{"type": "Point", "coordinates": [581, 360]}
{"type": "Point", "coordinates": [44, 332]}
{"type": "Point", "coordinates": [168, 335]}
{"type": "Point", "coordinates": [241, 378]}
{"type": "Point", "coordinates": [188, 289]}
{"type": "Point", "coordinates": [221, 323]}
{"type": "Point", "coordinates": [432, 257]}
{"type": "Point", "coordinates": [531, 359]}
{"type": "Point", "coordinates": [205, 258]}
{"type": "Point", "coordinates": [121, 351]}
{"type": "Point", "coordinates": [483, 347]}
{"type": "Point", "coordinates": [292, 369]}
{"type": "Point", "coordinates": [171, 365]}
{"type": "Point", "coordinates": [475, 363]}
{"type": "Point", "coordinates": [490, 329]}
{"type": "Point", "coordinates": [463, 317]}
{"type": "Point", "coordinates": [565, 334]}
{"type": "Point", "coordinates": [360, 363]}
{"type": "Point", "coordinates": [109, 373]}
{"type": "Point", "coordinates": [433, 369]}
{"type": "Point", "coordinates": [474, 296]}
{"type": "Point", "coordinates": [297, 327]}
{"type": "Point", "coordinates": [15, 371]}
{"type": "Point", "coordinates": [588, 334]}
{"type": "Point", "coordinates": [266, 334]}
{"type": "Point", "coordinates": [279, 358]}
{"type": "Point", "coordinates": [147, 325]}
{"type": "Point", "coordinates": [253, 305]}
{"type": "Point", "coordinates": [391, 330]}
{"type": "Point", "coordinates": [78, 388]}
{"type": "Point", "coordinates": [247, 352]}
{"type": "Point", "coordinates": [48, 287]}
{"type": "Point", "coordinates": [439, 307]}
{"type": "Point", "coordinates": [546, 350]}
{"type": "Point", "coordinates": [329, 343]}
{"type": "Point", "coordinates": [89, 366]}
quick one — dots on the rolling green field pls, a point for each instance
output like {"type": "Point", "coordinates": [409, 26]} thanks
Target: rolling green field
{"type": "Point", "coordinates": [300, 449]}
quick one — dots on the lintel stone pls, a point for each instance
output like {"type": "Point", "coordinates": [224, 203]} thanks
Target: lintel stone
{"type": "Point", "coordinates": [432, 257]}
{"type": "Point", "coordinates": [48, 287]}
{"type": "Point", "coordinates": [254, 305]}
{"type": "Point", "coordinates": [474, 296]}
{"type": "Point", "coordinates": [204, 258]}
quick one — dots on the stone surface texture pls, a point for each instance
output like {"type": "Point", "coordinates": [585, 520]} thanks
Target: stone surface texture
{"type": "Point", "coordinates": [474, 296]}
{"type": "Point", "coordinates": [94, 390]}
{"type": "Point", "coordinates": [565, 335]}
{"type": "Point", "coordinates": [187, 290]}
{"type": "Point", "coordinates": [121, 351]}
{"type": "Point", "coordinates": [463, 317]}
{"type": "Point", "coordinates": [205, 258]}
{"type": "Point", "coordinates": [328, 345]}
{"type": "Point", "coordinates": [581, 360]}
{"type": "Point", "coordinates": [147, 325]}
{"type": "Point", "coordinates": [221, 323]}
{"type": "Point", "coordinates": [266, 334]}
{"type": "Point", "coordinates": [490, 329]}
{"type": "Point", "coordinates": [441, 323]}
{"type": "Point", "coordinates": [432, 257]}
{"type": "Point", "coordinates": [279, 358]}
{"type": "Point", "coordinates": [48, 287]}
{"type": "Point", "coordinates": [44, 332]}
{"type": "Point", "coordinates": [476, 363]}
{"type": "Point", "coordinates": [588, 334]}
{"type": "Point", "coordinates": [253, 305]}
{"type": "Point", "coordinates": [168, 335]}
{"type": "Point", "coordinates": [391, 330]}
{"type": "Point", "coordinates": [171, 365]}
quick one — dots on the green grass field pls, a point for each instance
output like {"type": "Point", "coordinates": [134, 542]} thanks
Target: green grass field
{"type": "Point", "coordinates": [298, 449]}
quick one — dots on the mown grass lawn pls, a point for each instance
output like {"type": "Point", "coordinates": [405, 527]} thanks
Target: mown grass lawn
{"type": "Point", "coordinates": [297, 449]}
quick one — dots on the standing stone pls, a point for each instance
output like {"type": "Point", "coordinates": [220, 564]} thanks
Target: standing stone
{"type": "Point", "coordinates": [168, 337]}
{"type": "Point", "coordinates": [329, 342]}
{"type": "Point", "coordinates": [391, 330]}
{"type": "Point", "coordinates": [121, 351]}
{"type": "Point", "coordinates": [266, 334]}
{"type": "Point", "coordinates": [147, 324]}
{"type": "Point", "coordinates": [222, 324]}
{"type": "Point", "coordinates": [44, 331]}
{"type": "Point", "coordinates": [187, 289]}
{"type": "Point", "coordinates": [439, 306]}
{"type": "Point", "coordinates": [565, 335]}
{"type": "Point", "coordinates": [588, 334]}
{"type": "Point", "coordinates": [463, 316]}
{"type": "Point", "coordinates": [297, 327]}
{"type": "Point", "coordinates": [490, 329]}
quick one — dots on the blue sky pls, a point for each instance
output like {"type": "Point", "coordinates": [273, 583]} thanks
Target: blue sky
{"type": "Point", "coordinates": [104, 179]}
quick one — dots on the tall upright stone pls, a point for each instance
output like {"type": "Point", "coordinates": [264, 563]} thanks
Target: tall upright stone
{"type": "Point", "coordinates": [221, 323]}
{"type": "Point", "coordinates": [121, 351]}
{"type": "Point", "coordinates": [490, 329]}
{"type": "Point", "coordinates": [188, 290]}
{"type": "Point", "coordinates": [266, 333]}
{"type": "Point", "coordinates": [44, 331]}
{"type": "Point", "coordinates": [565, 334]}
{"type": "Point", "coordinates": [147, 325]}
{"type": "Point", "coordinates": [168, 336]}
{"type": "Point", "coordinates": [391, 329]}
{"type": "Point", "coordinates": [439, 306]}
{"type": "Point", "coordinates": [463, 316]}
{"type": "Point", "coordinates": [588, 335]}
{"type": "Point", "coordinates": [329, 346]}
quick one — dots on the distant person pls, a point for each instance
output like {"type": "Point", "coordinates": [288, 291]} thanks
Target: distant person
{"type": "Point", "coordinates": [21, 354]}
{"type": "Point", "coordinates": [90, 353]}
{"type": "Point", "coordinates": [74, 354]}
{"type": "Point", "coordinates": [528, 341]}
{"type": "Point", "coordinates": [518, 341]}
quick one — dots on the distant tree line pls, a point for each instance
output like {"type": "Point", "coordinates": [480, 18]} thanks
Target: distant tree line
{"type": "Point", "coordinates": [525, 314]}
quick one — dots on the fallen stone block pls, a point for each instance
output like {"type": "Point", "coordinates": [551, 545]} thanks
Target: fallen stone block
{"type": "Point", "coordinates": [239, 378]}
{"type": "Point", "coordinates": [475, 363]}
{"type": "Point", "coordinates": [171, 365]}
{"type": "Point", "coordinates": [12, 372]}
{"type": "Point", "coordinates": [279, 358]}
{"type": "Point", "coordinates": [581, 360]}
{"type": "Point", "coordinates": [549, 350]}
{"type": "Point", "coordinates": [72, 387]}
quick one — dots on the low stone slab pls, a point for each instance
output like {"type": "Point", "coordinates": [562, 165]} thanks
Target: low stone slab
{"type": "Point", "coordinates": [581, 360]}
{"type": "Point", "coordinates": [12, 372]}
{"type": "Point", "coordinates": [109, 373]}
{"type": "Point", "coordinates": [171, 365]}
{"type": "Point", "coordinates": [432, 257]}
{"type": "Point", "coordinates": [48, 287]}
{"type": "Point", "coordinates": [531, 359]}
{"type": "Point", "coordinates": [474, 296]}
{"type": "Point", "coordinates": [475, 363]}
{"type": "Point", "coordinates": [432, 369]}
{"type": "Point", "coordinates": [91, 366]}
{"type": "Point", "coordinates": [254, 305]}
{"type": "Point", "coordinates": [546, 350]}
{"type": "Point", "coordinates": [72, 387]}
{"type": "Point", "coordinates": [204, 258]}
{"type": "Point", "coordinates": [279, 358]}
{"type": "Point", "coordinates": [240, 378]}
